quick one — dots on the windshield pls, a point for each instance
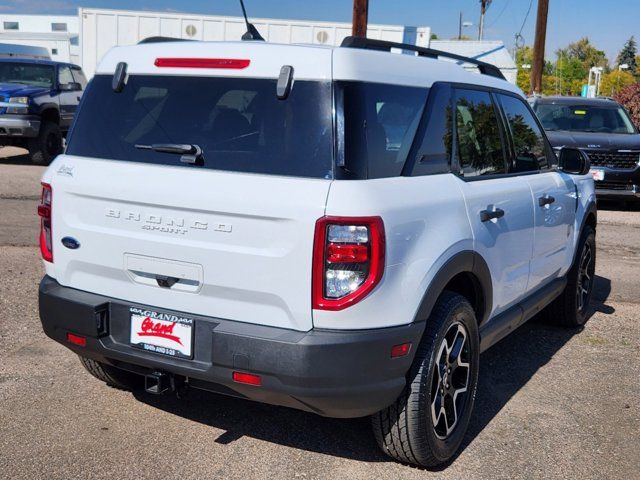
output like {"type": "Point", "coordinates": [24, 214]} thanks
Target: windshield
{"type": "Point", "coordinates": [239, 124]}
{"type": "Point", "coordinates": [27, 74]}
{"type": "Point", "coordinates": [584, 118]}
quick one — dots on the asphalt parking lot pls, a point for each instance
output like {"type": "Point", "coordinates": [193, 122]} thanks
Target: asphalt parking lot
{"type": "Point", "coordinates": [552, 403]}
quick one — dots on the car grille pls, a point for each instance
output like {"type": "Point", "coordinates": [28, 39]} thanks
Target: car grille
{"type": "Point", "coordinates": [618, 160]}
{"type": "Point", "coordinates": [614, 186]}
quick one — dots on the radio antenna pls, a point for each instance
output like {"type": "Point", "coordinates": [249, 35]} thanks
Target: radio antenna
{"type": "Point", "coordinates": [252, 32]}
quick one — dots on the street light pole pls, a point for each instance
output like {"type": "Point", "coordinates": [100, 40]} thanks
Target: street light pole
{"type": "Point", "coordinates": [484, 4]}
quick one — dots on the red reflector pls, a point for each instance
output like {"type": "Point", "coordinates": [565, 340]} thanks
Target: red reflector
{"type": "Point", "coordinates": [77, 340]}
{"type": "Point", "coordinates": [233, 63]}
{"type": "Point", "coordinates": [400, 350]}
{"type": "Point", "coordinates": [44, 211]}
{"type": "Point", "coordinates": [247, 378]}
{"type": "Point", "coordinates": [347, 253]}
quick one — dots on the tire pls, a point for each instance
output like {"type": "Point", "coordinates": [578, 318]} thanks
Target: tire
{"type": "Point", "coordinates": [112, 376]}
{"type": "Point", "coordinates": [570, 309]}
{"type": "Point", "coordinates": [406, 430]}
{"type": "Point", "coordinates": [47, 145]}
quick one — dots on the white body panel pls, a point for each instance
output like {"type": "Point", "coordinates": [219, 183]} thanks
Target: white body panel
{"type": "Point", "coordinates": [240, 242]}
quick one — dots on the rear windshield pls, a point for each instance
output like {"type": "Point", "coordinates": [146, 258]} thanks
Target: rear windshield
{"type": "Point", "coordinates": [239, 123]}
{"type": "Point", "coordinates": [584, 118]}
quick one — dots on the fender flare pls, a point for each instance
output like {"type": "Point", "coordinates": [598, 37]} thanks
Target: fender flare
{"type": "Point", "coordinates": [466, 261]}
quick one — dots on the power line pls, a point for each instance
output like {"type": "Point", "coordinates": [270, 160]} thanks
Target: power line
{"type": "Point", "coordinates": [495, 20]}
{"type": "Point", "coordinates": [526, 17]}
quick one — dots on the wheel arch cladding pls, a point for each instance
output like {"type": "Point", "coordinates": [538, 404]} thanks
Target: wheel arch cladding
{"type": "Point", "coordinates": [465, 273]}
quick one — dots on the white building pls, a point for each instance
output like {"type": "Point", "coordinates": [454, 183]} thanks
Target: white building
{"type": "Point", "coordinates": [85, 38]}
{"type": "Point", "coordinates": [57, 33]}
{"type": "Point", "coordinates": [490, 51]}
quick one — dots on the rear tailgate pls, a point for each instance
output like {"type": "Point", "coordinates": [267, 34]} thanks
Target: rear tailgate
{"type": "Point", "coordinates": [241, 244]}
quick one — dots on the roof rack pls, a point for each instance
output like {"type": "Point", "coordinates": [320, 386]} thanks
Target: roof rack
{"type": "Point", "coordinates": [383, 45]}
{"type": "Point", "coordinates": [162, 39]}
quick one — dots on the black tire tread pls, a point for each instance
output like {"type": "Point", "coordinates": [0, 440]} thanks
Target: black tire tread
{"type": "Point", "coordinates": [398, 429]}
{"type": "Point", "coordinates": [562, 311]}
{"type": "Point", "coordinates": [36, 145]}
{"type": "Point", "coordinates": [112, 376]}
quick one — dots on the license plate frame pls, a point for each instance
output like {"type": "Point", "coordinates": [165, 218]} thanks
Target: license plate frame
{"type": "Point", "coordinates": [162, 333]}
{"type": "Point", "coordinates": [597, 174]}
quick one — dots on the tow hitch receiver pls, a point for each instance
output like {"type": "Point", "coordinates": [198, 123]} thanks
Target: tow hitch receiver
{"type": "Point", "coordinates": [159, 383]}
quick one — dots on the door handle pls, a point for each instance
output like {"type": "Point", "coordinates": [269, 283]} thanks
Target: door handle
{"type": "Point", "coordinates": [546, 200]}
{"type": "Point", "coordinates": [486, 215]}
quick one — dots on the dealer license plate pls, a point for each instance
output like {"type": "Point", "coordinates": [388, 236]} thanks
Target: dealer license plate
{"type": "Point", "coordinates": [162, 333]}
{"type": "Point", "coordinates": [597, 174]}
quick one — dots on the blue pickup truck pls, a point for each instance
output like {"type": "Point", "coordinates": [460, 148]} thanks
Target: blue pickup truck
{"type": "Point", "coordinates": [38, 99]}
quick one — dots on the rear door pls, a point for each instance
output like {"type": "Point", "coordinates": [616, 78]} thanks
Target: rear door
{"type": "Point", "coordinates": [553, 193]}
{"type": "Point", "coordinates": [229, 236]}
{"type": "Point", "coordinates": [499, 206]}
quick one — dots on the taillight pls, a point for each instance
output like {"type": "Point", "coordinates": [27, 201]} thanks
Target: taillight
{"type": "Point", "coordinates": [44, 212]}
{"type": "Point", "coordinates": [348, 260]}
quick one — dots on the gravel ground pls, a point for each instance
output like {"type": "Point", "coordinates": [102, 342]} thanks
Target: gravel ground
{"type": "Point", "coordinates": [552, 403]}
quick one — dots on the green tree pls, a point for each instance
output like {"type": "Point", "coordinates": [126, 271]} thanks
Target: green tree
{"type": "Point", "coordinates": [628, 55]}
{"type": "Point", "coordinates": [586, 53]}
{"type": "Point", "coordinates": [614, 82]}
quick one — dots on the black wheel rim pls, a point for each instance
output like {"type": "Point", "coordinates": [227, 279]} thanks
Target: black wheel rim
{"type": "Point", "coordinates": [52, 144]}
{"type": "Point", "coordinates": [586, 270]}
{"type": "Point", "coordinates": [450, 383]}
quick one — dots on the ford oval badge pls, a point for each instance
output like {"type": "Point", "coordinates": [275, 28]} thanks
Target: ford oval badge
{"type": "Point", "coordinates": [71, 243]}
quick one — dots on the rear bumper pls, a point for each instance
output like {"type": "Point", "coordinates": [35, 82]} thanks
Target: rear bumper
{"type": "Point", "coordinates": [332, 373]}
{"type": "Point", "coordinates": [19, 126]}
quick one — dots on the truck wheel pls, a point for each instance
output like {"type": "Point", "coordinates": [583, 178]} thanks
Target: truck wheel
{"type": "Point", "coordinates": [112, 376]}
{"type": "Point", "coordinates": [570, 308]}
{"type": "Point", "coordinates": [427, 423]}
{"type": "Point", "coordinates": [47, 145]}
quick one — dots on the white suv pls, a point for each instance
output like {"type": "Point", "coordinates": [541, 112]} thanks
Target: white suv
{"type": "Point", "coordinates": [338, 230]}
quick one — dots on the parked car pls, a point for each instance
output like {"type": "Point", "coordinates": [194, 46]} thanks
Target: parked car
{"type": "Point", "coordinates": [38, 99]}
{"type": "Point", "coordinates": [603, 129]}
{"type": "Point", "coordinates": [337, 230]}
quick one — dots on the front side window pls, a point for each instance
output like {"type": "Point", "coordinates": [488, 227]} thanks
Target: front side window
{"type": "Point", "coordinates": [581, 117]}
{"type": "Point", "coordinates": [27, 74]}
{"type": "Point", "coordinates": [380, 122]}
{"type": "Point", "coordinates": [528, 139]}
{"type": "Point", "coordinates": [239, 123]}
{"type": "Point", "coordinates": [79, 77]}
{"type": "Point", "coordinates": [479, 144]}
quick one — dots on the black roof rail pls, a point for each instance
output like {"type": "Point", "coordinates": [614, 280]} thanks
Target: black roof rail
{"type": "Point", "coordinates": [162, 39]}
{"type": "Point", "coordinates": [384, 46]}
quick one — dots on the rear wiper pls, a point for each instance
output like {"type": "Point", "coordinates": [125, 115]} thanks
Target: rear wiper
{"type": "Point", "coordinates": [191, 153]}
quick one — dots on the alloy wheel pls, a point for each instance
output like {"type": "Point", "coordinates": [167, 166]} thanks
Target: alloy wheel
{"type": "Point", "coordinates": [586, 270]}
{"type": "Point", "coordinates": [450, 381]}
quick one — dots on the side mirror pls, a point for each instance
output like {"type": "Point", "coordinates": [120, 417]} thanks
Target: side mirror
{"type": "Point", "coordinates": [70, 87]}
{"type": "Point", "coordinates": [574, 161]}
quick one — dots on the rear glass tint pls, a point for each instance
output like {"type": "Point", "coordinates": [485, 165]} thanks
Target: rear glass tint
{"type": "Point", "coordinates": [239, 123]}
{"type": "Point", "coordinates": [380, 122]}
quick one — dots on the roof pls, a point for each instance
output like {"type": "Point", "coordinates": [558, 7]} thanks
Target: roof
{"type": "Point", "coordinates": [490, 51]}
{"type": "Point", "coordinates": [310, 62]}
{"type": "Point", "coordinates": [566, 100]}
{"type": "Point", "coordinates": [34, 61]}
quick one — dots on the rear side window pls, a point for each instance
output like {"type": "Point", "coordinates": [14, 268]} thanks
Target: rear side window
{"type": "Point", "coordinates": [528, 139]}
{"type": "Point", "coordinates": [479, 144]}
{"type": "Point", "coordinates": [239, 123]}
{"type": "Point", "coordinates": [380, 122]}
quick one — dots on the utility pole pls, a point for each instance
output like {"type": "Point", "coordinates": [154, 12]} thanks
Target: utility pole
{"type": "Point", "coordinates": [538, 46]}
{"type": "Point", "coordinates": [460, 27]}
{"type": "Point", "coordinates": [360, 18]}
{"type": "Point", "coordinates": [484, 4]}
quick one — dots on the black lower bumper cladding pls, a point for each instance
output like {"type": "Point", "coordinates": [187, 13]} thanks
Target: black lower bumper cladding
{"type": "Point", "coordinates": [332, 373]}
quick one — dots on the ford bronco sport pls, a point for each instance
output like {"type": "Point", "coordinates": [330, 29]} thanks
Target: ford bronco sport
{"type": "Point", "coordinates": [337, 230]}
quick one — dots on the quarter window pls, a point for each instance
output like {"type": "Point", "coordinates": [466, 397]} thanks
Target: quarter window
{"type": "Point", "coordinates": [479, 144]}
{"type": "Point", "coordinates": [528, 140]}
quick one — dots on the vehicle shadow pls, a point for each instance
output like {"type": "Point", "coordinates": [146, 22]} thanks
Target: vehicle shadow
{"type": "Point", "coordinates": [15, 159]}
{"type": "Point", "coordinates": [504, 370]}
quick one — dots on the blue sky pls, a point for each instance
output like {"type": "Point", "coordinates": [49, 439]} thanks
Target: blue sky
{"type": "Point", "coordinates": [608, 23]}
